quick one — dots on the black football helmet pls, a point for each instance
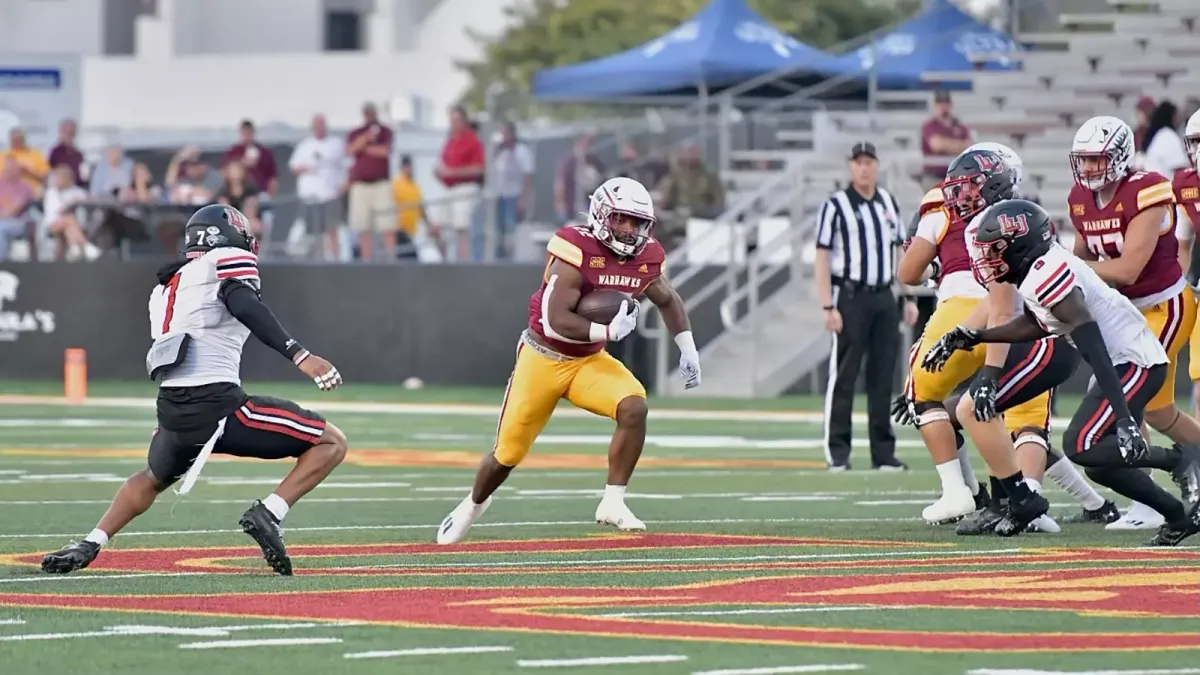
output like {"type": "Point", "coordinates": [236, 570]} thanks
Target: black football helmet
{"type": "Point", "coordinates": [217, 226]}
{"type": "Point", "coordinates": [1012, 235]}
{"type": "Point", "coordinates": [976, 180]}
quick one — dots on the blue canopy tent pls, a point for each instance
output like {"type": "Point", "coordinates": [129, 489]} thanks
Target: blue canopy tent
{"type": "Point", "coordinates": [942, 38]}
{"type": "Point", "coordinates": [722, 45]}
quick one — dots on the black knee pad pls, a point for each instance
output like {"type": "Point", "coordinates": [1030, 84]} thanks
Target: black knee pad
{"type": "Point", "coordinates": [931, 411]}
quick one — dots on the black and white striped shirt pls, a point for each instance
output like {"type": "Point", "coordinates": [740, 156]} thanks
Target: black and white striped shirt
{"type": "Point", "coordinates": [862, 236]}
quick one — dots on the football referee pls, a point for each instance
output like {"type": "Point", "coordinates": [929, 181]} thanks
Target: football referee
{"type": "Point", "coordinates": [858, 233]}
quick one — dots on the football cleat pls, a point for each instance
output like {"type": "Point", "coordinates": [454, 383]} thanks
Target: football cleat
{"type": "Point", "coordinates": [73, 556]}
{"type": "Point", "coordinates": [1171, 535]}
{"type": "Point", "coordinates": [614, 512]}
{"type": "Point", "coordinates": [1043, 524]}
{"type": "Point", "coordinates": [1105, 514]}
{"type": "Point", "coordinates": [260, 524]}
{"type": "Point", "coordinates": [952, 506]}
{"type": "Point", "coordinates": [455, 526]}
{"type": "Point", "coordinates": [1187, 475]}
{"type": "Point", "coordinates": [1020, 514]}
{"type": "Point", "coordinates": [1138, 517]}
{"type": "Point", "coordinates": [982, 522]}
{"type": "Point", "coordinates": [982, 499]}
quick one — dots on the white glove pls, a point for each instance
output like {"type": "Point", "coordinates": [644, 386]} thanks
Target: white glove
{"type": "Point", "coordinates": [624, 322]}
{"type": "Point", "coordinates": [689, 360]}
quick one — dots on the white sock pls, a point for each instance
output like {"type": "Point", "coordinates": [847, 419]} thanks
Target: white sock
{"type": "Point", "coordinates": [276, 506]}
{"type": "Point", "coordinates": [951, 475]}
{"type": "Point", "coordinates": [1068, 478]}
{"type": "Point", "coordinates": [968, 474]}
{"type": "Point", "coordinates": [616, 492]}
{"type": "Point", "coordinates": [1034, 486]}
{"type": "Point", "coordinates": [97, 537]}
{"type": "Point", "coordinates": [470, 500]}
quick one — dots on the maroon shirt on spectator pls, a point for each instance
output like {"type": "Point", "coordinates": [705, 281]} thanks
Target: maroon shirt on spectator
{"type": "Point", "coordinates": [262, 171]}
{"type": "Point", "coordinates": [69, 155]}
{"type": "Point", "coordinates": [368, 168]}
{"type": "Point", "coordinates": [462, 150]}
{"type": "Point", "coordinates": [936, 127]}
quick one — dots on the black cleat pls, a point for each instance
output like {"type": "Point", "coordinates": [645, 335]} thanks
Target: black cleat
{"type": "Point", "coordinates": [1105, 514]}
{"type": "Point", "coordinates": [983, 498]}
{"type": "Point", "coordinates": [73, 556]}
{"type": "Point", "coordinates": [258, 522]}
{"type": "Point", "coordinates": [1020, 514]}
{"type": "Point", "coordinates": [1171, 534]}
{"type": "Point", "coordinates": [982, 521]}
{"type": "Point", "coordinates": [1187, 476]}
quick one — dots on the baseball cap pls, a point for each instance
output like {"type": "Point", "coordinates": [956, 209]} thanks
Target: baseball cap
{"type": "Point", "coordinates": [863, 148]}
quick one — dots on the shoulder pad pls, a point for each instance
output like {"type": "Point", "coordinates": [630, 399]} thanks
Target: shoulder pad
{"type": "Point", "coordinates": [233, 263]}
{"type": "Point", "coordinates": [1186, 178]}
{"type": "Point", "coordinates": [1150, 189]}
{"type": "Point", "coordinates": [653, 252]}
{"type": "Point", "coordinates": [933, 200]}
{"type": "Point", "coordinates": [567, 246]}
{"type": "Point", "coordinates": [1051, 278]}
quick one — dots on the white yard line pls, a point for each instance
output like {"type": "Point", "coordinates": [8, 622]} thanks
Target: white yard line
{"type": "Point", "coordinates": [1176, 671]}
{"type": "Point", "coordinates": [268, 642]}
{"type": "Point", "coordinates": [739, 612]}
{"type": "Point", "coordinates": [12, 622]}
{"type": "Point", "coordinates": [433, 526]}
{"type": "Point", "coordinates": [426, 651]}
{"type": "Point", "coordinates": [134, 630]}
{"type": "Point", "coordinates": [601, 661]}
{"type": "Point", "coordinates": [781, 670]}
{"type": "Point", "coordinates": [93, 577]}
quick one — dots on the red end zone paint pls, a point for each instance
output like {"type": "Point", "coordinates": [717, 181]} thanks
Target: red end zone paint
{"type": "Point", "coordinates": [1132, 591]}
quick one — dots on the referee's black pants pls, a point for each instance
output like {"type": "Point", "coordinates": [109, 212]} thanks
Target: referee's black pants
{"type": "Point", "coordinates": [870, 332]}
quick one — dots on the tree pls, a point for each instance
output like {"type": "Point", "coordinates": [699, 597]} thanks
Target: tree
{"type": "Point", "coordinates": [550, 33]}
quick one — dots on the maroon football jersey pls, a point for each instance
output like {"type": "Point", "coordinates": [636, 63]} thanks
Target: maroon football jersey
{"type": "Point", "coordinates": [1103, 228]}
{"type": "Point", "coordinates": [601, 268]}
{"type": "Point", "coordinates": [1187, 193]}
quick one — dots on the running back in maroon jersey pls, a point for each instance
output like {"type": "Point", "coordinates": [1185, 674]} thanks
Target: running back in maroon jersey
{"type": "Point", "coordinates": [1103, 228]}
{"type": "Point", "coordinates": [601, 268]}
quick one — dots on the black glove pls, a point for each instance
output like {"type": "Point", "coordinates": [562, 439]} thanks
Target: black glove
{"type": "Point", "coordinates": [959, 338]}
{"type": "Point", "coordinates": [904, 411]}
{"type": "Point", "coordinates": [1129, 438]}
{"type": "Point", "coordinates": [984, 390]}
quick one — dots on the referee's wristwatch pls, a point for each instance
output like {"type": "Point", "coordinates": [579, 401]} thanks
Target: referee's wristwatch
{"type": "Point", "coordinates": [828, 308]}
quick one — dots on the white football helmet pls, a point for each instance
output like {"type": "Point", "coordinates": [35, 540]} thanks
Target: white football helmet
{"type": "Point", "coordinates": [1102, 152]}
{"type": "Point", "coordinates": [622, 197]}
{"type": "Point", "coordinates": [1011, 159]}
{"type": "Point", "coordinates": [1191, 136]}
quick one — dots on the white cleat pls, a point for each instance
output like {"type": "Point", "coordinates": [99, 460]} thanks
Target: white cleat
{"type": "Point", "coordinates": [614, 512]}
{"type": "Point", "coordinates": [950, 507]}
{"type": "Point", "coordinates": [1044, 524]}
{"type": "Point", "coordinates": [456, 525]}
{"type": "Point", "coordinates": [1138, 517]}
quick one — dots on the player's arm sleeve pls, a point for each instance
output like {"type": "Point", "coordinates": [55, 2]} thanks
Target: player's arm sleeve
{"type": "Point", "coordinates": [244, 303]}
{"type": "Point", "coordinates": [1089, 341]}
{"type": "Point", "coordinates": [826, 222]}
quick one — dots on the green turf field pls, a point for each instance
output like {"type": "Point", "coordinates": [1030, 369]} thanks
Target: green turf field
{"type": "Point", "coordinates": [756, 561]}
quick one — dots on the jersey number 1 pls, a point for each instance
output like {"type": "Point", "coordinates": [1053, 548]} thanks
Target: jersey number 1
{"type": "Point", "coordinates": [169, 313]}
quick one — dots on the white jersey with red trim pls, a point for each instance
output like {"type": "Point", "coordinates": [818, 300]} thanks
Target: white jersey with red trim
{"type": "Point", "coordinates": [1057, 273]}
{"type": "Point", "coordinates": [190, 303]}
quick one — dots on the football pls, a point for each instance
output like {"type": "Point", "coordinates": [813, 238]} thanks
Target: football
{"type": "Point", "coordinates": [601, 305]}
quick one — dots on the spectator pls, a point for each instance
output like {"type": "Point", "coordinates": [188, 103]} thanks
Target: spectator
{"type": "Point", "coordinates": [370, 146]}
{"type": "Point", "coordinates": [577, 177]}
{"type": "Point", "coordinates": [256, 157]}
{"type": "Point", "coordinates": [461, 171]}
{"type": "Point", "coordinates": [512, 168]}
{"type": "Point", "coordinates": [67, 153]}
{"type": "Point", "coordinates": [1165, 150]}
{"type": "Point", "coordinates": [15, 198]}
{"type": "Point", "coordinates": [410, 210]}
{"type": "Point", "coordinates": [648, 171]}
{"type": "Point", "coordinates": [190, 180]}
{"type": "Point", "coordinates": [241, 192]}
{"type": "Point", "coordinates": [943, 137]}
{"type": "Point", "coordinates": [33, 166]}
{"type": "Point", "coordinates": [319, 163]}
{"type": "Point", "coordinates": [129, 219]}
{"type": "Point", "coordinates": [63, 197]}
{"type": "Point", "coordinates": [112, 175]}
{"type": "Point", "coordinates": [1145, 106]}
{"type": "Point", "coordinates": [689, 190]}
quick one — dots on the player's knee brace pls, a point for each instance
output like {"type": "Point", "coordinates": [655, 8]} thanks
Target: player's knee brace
{"type": "Point", "coordinates": [1033, 435]}
{"type": "Point", "coordinates": [929, 412]}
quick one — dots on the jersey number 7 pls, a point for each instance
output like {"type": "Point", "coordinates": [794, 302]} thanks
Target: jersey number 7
{"type": "Point", "coordinates": [169, 313]}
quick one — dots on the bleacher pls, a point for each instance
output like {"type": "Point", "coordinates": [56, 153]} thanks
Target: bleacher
{"type": "Point", "coordinates": [1096, 64]}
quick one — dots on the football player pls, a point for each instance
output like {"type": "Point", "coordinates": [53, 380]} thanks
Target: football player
{"type": "Point", "coordinates": [561, 354]}
{"type": "Point", "coordinates": [202, 310]}
{"type": "Point", "coordinates": [1064, 296]}
{"type": "Point", "coordinates": [977, 178]}
{"type": "Point", "coordinates": [1187, 212]}
{"type": "Point", "coordinates": [1124, 222]}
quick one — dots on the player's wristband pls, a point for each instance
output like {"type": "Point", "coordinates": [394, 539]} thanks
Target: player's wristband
{"type": "Point", "coordinates": [991, 372]}
{"type": "Point", "coordinates": [685, 342]}
{"type": "Point", "coordinates": [598, 332]}
{"type": "Point", "coordinates": [294, 351]}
